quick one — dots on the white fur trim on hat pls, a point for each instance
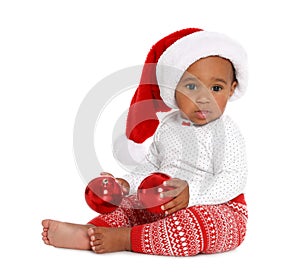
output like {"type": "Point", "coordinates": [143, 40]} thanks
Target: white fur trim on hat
{"type": "Point", "coordinates": [187, 50]}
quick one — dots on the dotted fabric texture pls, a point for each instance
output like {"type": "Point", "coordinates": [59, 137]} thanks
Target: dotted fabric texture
{"type": "Point", "coordinates": [211, 158]}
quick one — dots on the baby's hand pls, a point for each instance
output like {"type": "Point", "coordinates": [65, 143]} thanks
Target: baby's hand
{"type": "Point", "coordinates": [181, 195]}
{"type": "Point", "coordinates": [124, 185]}
{"type": "Point", "coordinates": [122, 182]}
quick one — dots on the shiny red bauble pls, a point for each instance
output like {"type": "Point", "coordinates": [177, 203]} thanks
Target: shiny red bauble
{"type": "Point", "coordinates": [149, 192]}
{"type": "Point", "coordinates": [103, 194]}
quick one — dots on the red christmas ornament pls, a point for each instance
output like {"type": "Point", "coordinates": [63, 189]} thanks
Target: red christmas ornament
{"type": "Point", "coordinates": [150, 189]}
{"type": "Point", "coordinates": [103, 194]}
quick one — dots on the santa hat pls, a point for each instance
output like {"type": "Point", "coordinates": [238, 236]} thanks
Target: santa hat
{"type": "Point", "coordinates": [165, 64]}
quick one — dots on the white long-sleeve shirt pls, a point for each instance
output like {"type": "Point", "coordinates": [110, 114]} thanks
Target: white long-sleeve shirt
{"type": "Point", "coordinates": [211, 158]}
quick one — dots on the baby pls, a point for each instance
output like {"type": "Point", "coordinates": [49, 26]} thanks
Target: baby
{"type": "Point", "coordinates": [197, 73]}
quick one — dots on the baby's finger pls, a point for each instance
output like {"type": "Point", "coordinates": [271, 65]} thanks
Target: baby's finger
{"type": "Point", "coordinates": [171, 207]}
{"type": "Point", "coordinates": [106, 174]}
{"type": "Point", "coordinates": [125, 189]}
{"type": "Point", "coordinates": [171, 193]}
{"type": "Point", "coordinates": [175, 182]}
{"type": "Point", "coordinates": [124, 185]}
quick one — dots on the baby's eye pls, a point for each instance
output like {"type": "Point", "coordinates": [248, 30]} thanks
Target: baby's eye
{"type": "Point", "coordinates": [216, 88]}
{"type": "Point", "coordinates": [191, 86]}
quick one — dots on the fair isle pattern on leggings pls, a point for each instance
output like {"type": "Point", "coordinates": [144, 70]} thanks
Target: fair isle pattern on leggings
{"type": "Point", "coordinates": [198, 229]}
{"type": "Point", "coordinates": [191, 231]}
{"type": "Point", "coordinates": [177, 235]}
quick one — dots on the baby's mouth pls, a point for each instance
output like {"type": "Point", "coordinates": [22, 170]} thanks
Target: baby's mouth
{"type": "Point", "coordinates": [202, 114]}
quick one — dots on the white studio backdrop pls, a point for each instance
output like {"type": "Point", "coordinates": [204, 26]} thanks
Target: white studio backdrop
{"type": "Point", "coordinates": [52, 53]}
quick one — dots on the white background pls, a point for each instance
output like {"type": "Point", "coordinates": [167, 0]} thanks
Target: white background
{"type": "Point", "coordinates": [53, 52]}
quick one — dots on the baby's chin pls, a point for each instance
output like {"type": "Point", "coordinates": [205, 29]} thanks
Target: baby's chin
{"type": "Point", "coordinates": [204, 121]}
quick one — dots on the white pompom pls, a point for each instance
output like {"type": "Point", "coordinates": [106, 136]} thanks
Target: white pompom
{"type": "Point", "coordinates": [129, 153]}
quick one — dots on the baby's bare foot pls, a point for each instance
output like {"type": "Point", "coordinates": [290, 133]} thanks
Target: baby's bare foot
{"type": "Point", "coordinates": [65, 235]}
{"type": "Point", "coordinates": [104, 240]}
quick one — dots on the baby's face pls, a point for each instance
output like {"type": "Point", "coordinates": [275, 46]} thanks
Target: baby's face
{"type": "Point", "coordinates": [204, 89]}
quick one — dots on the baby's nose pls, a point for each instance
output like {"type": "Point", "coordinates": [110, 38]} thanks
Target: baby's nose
{"type": "Point", "coordinates": [203, 96]}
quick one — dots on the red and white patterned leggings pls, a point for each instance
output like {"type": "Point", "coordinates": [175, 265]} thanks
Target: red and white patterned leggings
{"type": "Point", "coordinates": [190, 231]}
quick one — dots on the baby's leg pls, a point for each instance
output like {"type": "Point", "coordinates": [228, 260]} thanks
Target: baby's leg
{"type": "Point", "coordinates": [194, 230]}
{"type": "Point", "coordinates": [65, 235]}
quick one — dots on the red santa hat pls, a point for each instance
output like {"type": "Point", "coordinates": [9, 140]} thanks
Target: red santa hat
{"type": "Point", "coordinates": [165, 64]}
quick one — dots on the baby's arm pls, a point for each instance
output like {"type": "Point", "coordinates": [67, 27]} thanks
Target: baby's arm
{"type": "Point", "coordinates": [230, 170]}
{"type": "Point", "coordinates": [141, 171]}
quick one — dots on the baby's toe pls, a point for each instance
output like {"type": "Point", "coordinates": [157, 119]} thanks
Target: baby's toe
{"type": "Point", "coordinates": [98, 249]}
{"type": "Point", "coordinates": [46, 223]}
{"type": "Point", "coordinates": [96, 236]}
{"type": "Point", "coordinates": [46, 240]}
{"type": "Point", "coordinates": [95, 243]}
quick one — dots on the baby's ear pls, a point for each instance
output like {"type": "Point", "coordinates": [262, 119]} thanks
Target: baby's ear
{"type": "Point", "coordinates": [233, 87]}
